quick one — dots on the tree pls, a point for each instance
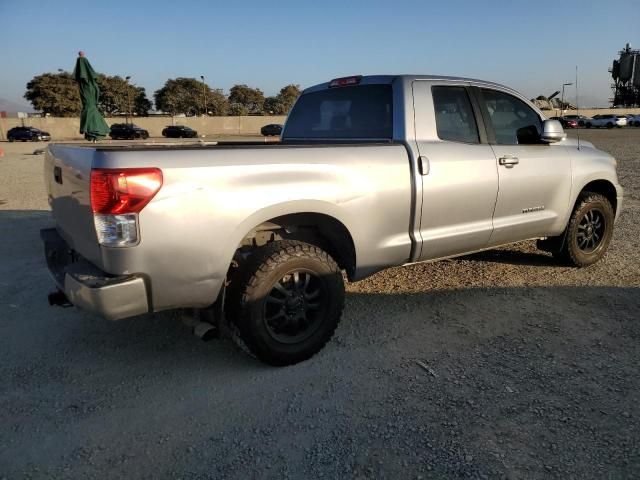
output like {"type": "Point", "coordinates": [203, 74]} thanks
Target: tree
{"type": "Point", "coordinates": [288, 96]}
{"type": "Point", "coordinates": [115, 95]}
{"type": "Point", "coordinates": [273, 106]}
{"type": "Point", "coordinates": [237, 109]}
{"type": "Point", "coordinates": [282, 103]}
{"type": "Point", "coordinates": [55, 94]}
{"type": "Point", "coordinates": [217, 103]}
{"type": "Point", "coordinates": [190, 97]}
{"type": "Point", "coordinates": [251, 98]}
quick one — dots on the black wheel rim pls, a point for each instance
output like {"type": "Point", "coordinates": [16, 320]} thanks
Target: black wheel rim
{"type": "Point", "coordinates": [591, 230]}
{"type": "Point", "coordinates": [294, 308]}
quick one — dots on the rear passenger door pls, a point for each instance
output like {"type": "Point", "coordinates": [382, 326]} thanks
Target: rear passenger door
{"type": "Point", "coordinates": [458, 170]}
{"type": "Point", "coordinates": [534, 177]}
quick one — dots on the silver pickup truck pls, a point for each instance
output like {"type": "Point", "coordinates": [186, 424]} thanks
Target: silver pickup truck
{"type": "Point", "coordinates": [371, 172]}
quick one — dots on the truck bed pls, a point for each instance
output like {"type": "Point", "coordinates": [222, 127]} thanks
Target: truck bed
{"type": "Point", "coordinates": [213, 195]}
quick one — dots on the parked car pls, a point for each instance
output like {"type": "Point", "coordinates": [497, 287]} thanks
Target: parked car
{"type": "Point", "coordinates": [622, 121]}
{"type": "Point", "coordinates": [633, 120]}
{"type": "Point", "coordinates": [579, 119]}
{"type": "Point", "coordinates": [127, 131]}
{"type": "Point", "coordinates": [271, 130]}
{"type": "Point", "coordinates": [566, 123]}
{"type": "Point", "coordinates": [259, 235]}
{"type": "Point", "coordinates": [605, 120]}
{"type": "Point", "coordinates": [179, 131]}
{"type": "Point", "coordinates": [27, 134]}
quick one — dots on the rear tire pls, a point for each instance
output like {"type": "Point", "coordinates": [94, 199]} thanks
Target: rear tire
{"type": "Point", "coordinates": [286, 301]}
{"type": "Point", "coordinates": [589, 231]}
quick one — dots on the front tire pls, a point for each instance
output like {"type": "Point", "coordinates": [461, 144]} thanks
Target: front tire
{"type": "Point", "coordinates": [286, 301]}
{"type": "Point", "coordinates": [589, 231]}
{"type": "Point", "coordinates": [588, 125]}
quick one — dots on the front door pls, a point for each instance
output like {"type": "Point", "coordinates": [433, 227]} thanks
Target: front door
{"type": "Point", "coordinates": [534, 177]}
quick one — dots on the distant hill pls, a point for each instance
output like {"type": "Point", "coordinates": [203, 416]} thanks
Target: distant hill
{"type": "Point", "coordinates": [10, 106]}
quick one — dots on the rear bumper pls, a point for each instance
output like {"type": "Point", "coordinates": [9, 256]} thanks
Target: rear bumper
{"type": "Point", "coordinates": [88, 287]}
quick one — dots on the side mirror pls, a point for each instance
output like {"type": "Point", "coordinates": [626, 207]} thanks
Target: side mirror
{"type": "Point", "coordinates": [552, 131]}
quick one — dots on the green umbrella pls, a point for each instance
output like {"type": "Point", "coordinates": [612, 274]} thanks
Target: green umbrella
{"type": "Point", "coordinates": [91, 122]}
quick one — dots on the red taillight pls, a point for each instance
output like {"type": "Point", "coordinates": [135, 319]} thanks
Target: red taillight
{"type": "Point", "coordinates": [345, 81]}
{"type": "Point", "coordinates": [123, 190]}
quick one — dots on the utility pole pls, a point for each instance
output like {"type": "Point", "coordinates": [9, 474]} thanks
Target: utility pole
{"type": "Point", "coordinates": [204, 96]}
{"type": "Point", "coordinates": [126, 79]}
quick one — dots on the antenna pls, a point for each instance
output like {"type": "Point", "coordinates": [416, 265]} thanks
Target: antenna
{"type": "Point", "coordinates": [577, 110]}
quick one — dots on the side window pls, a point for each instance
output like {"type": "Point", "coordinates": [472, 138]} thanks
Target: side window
{"type": "Point", "coordinates": [514, 122]}
{"type": "Point", "coordinates": [454, 116]}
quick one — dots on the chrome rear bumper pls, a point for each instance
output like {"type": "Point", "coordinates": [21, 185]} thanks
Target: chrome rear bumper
{"type": "Point", "coordinates": [89, 288]}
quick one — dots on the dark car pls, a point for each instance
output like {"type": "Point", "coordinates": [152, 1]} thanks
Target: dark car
{"type": "Point", "coordinates": [127, 131]}
{"type": "Point", "coordinates": [179, 131]}
{"type": "Point", "coordinates": [27, 134]}
{"type": "Point", "coordinates": [579, 119]}
{"type": "Point", "coordinates": [566, 123]}
{"type": "Point", "coordinates": [271, 130]}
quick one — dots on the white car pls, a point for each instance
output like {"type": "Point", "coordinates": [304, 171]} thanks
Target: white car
{"type": "Point", "coordinates": [606, 120]}
{"type": "Point", "coordinates": [623, 121]}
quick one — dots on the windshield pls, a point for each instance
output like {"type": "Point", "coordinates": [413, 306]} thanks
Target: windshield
{"type": "Point", "coordinates": [359, 112]}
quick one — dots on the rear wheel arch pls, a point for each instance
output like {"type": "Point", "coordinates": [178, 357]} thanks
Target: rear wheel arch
{"type": "Point", "coordinates": [317, 229]}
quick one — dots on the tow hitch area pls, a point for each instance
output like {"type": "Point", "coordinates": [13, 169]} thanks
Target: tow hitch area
{"type": "Point", "coordinates": [59, 299]}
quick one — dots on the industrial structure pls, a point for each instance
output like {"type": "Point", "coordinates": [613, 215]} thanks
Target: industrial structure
{"type": "Point", "coordinates": [626, 75]}
{"type": "Point", "coordinates": [552, 102]}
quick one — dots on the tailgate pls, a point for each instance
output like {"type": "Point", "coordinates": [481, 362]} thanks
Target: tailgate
{"type": "Point", "coordinates": [67, 176]}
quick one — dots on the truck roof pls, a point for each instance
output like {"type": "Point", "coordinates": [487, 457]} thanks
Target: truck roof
{"type": "Point", "coordinates": [388, 79]}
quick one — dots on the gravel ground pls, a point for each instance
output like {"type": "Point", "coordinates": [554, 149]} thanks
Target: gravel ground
{"type": "Point", "coordinates": [532, 370]}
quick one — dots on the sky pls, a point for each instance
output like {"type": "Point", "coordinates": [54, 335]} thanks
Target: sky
{"type": "Point", "coordinates": [533, 47]}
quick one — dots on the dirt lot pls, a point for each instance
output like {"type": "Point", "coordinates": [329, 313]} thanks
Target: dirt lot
{"type": "Point", "coordinates": [534, 370]}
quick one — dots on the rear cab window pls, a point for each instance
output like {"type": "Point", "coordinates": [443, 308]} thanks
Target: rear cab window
{"type": "Point", "coordinates": [455, 120]}
{"type": "Point", "coordinates": [353, 112]}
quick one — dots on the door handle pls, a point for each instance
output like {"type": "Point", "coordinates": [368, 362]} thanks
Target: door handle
{"type": "Point", "coordinates": [508, 161]}
{"type": "Point", "coordinates": [423, 165]}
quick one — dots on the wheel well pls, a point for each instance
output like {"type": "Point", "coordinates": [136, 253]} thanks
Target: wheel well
{"type": "Point", "coordinates": [603, 187]}
{"type": "Point", "coordinates": [317, 229]}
